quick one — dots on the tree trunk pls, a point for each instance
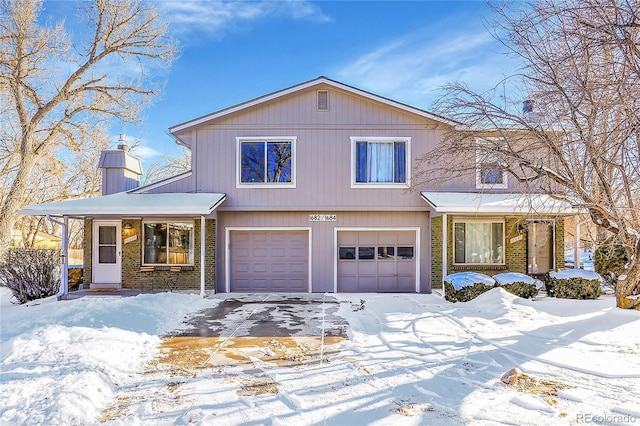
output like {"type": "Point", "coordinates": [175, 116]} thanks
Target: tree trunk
{"type": "Point", "coordinates": [15, 200]}
{"type": "Point", "coordinates": [628, 287]}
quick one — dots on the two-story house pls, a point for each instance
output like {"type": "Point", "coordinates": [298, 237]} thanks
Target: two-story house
{"type": "Point", "coordinates": [309, 189]}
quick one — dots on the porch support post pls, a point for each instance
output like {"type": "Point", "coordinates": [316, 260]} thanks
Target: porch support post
{"type": "Point", "coordinates": [576, 243]}
{"type": "Point", "coordinates": [65, 256]}
{"type": "Point", "coordinates": [64, 261]}
{"type": "Point", "coordinates": [202, 255]}
{"type": "Point", "coordinates": [444, 248]}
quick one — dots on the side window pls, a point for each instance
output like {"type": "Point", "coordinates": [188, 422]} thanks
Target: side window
{"type": "Point", "coordinates": [266, 162]}
{"type": "Point", "coordinates": [490, 171]}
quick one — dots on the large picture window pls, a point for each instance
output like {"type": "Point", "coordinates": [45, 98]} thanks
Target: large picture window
{"type": "Point", "coordinates": [380, 161]}
{"type": "Point", "coordinates": [479, 242]}
{"type": "Point", "coordinates": [167, 243]}
{"type": "Point", "coordinates": [266, 161]}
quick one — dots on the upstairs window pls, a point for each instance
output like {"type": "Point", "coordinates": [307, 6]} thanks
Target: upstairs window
{"type": "Point", "coordinates": [380, 161]}
{"type": "Point", "coordinates": [266, 162]}
{"type": "Point", "coordinates": [489, 171]}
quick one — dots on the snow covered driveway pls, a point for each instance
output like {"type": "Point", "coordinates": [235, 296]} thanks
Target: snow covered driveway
{"type": "Point", "coordinates": [408, 359]}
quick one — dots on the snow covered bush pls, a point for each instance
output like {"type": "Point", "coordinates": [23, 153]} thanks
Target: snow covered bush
{"type": "Point", "coordinates": [519, 284]}
{"type": "Point", "coordinates": [31, 273]}
{"type": "Point", "coordinates": [465, 286]}
{"type": "Point", "coordinates": [573, 284]}
{"type": "Point", "coordinates": [609, 260]}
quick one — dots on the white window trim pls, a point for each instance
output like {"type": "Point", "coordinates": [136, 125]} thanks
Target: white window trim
{"type": "Point", "coordinates": [479, 160]}
{"type": "Point", "coordinates": [486, 220]}
{"type": "Point", "coordinates": [408, 165]}
{"type": "Point", "coordinates": [192, 237]}
{"type": "Point", "coordinates": [240, 139]}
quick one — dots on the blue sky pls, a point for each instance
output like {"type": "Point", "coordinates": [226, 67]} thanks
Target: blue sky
{"type": "Point", "coordinates": [235, 51]}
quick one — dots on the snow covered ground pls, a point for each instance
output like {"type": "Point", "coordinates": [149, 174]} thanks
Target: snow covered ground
{"type": "Point", "coordinates": [409, 359]}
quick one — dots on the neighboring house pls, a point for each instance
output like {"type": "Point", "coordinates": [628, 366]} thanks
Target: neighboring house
{"type": "Point", "coordinates": [39, 239]}
{"type": "Point", "coordinates": [308, 189]}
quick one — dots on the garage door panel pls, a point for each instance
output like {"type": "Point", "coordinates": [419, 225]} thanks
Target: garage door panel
{"type": "Point", "coordinates": [367, 283]}
{"type": "Point", "coordinates": [386, 268]}
{"type": "Point", "coordinates": [269, 260]}
{"type": "Point", "coordinates": [385, 261]}
{"type": "Point", "coordinates": [387, 284]}
{"type": "Point", "coordinates": [349, 284]}
{"type": "Point", "coordinates": [406, 268]}
{"type": "Point", "coordinates": [406, 283]}
{"type": "Point", "coordinates": [347, 268]}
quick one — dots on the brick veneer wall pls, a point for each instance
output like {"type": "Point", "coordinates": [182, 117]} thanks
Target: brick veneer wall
{"type": "Point", "coordinates": [436, 252]}
{"type": "Point", "coordinates": [560, 243]}
{"type": "Point", "coordinates": [132, 275]}
{"type": "Point", "coordinates": [515, 252]}
{"type": "Point", "coordinates": [87, 253]}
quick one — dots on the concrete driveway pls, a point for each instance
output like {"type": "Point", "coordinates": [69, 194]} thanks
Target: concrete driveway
{"type": "Point", "coordinates": [245, 329]}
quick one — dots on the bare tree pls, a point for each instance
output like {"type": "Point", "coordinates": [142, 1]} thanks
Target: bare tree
{"type": "Point", "coordinates": [580, 143]}
{"type": "Point", "coordinates": [55, 89]}
{"type": "Point", "coordinates": [169, 166]}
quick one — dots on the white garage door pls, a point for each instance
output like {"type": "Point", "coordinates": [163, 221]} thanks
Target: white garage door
{"type": "Point", "coordinates": [269, 261]}
{"type": "Point", "coordinates": [376, 261]}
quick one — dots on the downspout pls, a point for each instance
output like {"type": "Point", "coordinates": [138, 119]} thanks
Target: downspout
{"type": "Point", "coordinates": [444, 249]}
{"type": "Point", "coordinates": [64, 268]}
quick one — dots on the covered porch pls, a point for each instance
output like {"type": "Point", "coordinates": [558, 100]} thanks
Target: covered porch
{"type": "Point", "coordinates": [133, 241]}
{"type": "Point", "coordinates": [492, 233]}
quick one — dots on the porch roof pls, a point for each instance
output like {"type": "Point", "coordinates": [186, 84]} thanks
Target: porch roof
{"type": "Point", "coordinates": [501, 203]}
{"type": "Point", "coordinates": [128, 204]}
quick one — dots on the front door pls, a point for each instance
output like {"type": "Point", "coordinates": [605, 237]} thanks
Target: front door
{"type": "Point", "coordinates": [107, 248]}
{"type": "Point", "coordinates": [540, 251]}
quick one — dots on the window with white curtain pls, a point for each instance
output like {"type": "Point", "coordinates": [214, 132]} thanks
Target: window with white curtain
{"type": "Point", "coordinates": [380, 161]}
{"type": "Point", "coordinates": [479, 242]}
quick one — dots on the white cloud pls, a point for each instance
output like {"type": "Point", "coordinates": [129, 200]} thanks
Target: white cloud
{"type": "Point", "coordinates": [412, 68]}
{"type": "Point", "coordinates": [219, 16]}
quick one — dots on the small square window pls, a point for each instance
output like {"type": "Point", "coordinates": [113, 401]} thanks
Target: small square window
{"type": "Point", "coordinates": [347, 253]}
{"type": "Point", "coordinates": [366, 253]}
{"type": "Point", "coordinates": [405, 252]}
{"type": "Point", "coordinates": [386, 253]}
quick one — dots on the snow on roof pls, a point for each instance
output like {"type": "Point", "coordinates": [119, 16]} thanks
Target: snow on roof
{"type": "Point", "coordinates": [479, 202]}
{"type": "Point", "coordinates": [124, 203]}
{"type": "Point", "coordinates": [576, 273]}
{"type": "Point", "coordinates": [464, 279]}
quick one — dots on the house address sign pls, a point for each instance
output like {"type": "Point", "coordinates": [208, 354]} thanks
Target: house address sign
{"type": "Point", "coordinates": [323, 217]}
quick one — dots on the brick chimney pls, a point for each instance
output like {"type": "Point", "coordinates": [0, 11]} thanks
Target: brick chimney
{"type": "Point", "coordinates": [121, 170]}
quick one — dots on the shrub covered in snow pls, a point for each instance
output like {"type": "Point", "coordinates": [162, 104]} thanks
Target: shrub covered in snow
{"type": "Point", "coordinates": [465, 286]}
{"type": "Point", "coordinates": [519, 284]}
{"type": "Point", "coordinates": [573, 284]}
{"type": "Point", "coordinates": [609, 260]}
{"type": "Point", "coordinates": [31, 274]}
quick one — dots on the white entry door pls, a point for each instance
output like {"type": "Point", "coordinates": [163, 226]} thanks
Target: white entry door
{"type": "Point", "coordinates": [107, 250]}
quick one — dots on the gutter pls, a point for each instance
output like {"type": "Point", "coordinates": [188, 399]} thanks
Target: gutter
{"type": "Point", "coordinates": [64, 268]}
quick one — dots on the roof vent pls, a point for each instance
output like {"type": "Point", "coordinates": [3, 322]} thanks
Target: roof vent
{"type": "Point", "coordinates": [323, 100]}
